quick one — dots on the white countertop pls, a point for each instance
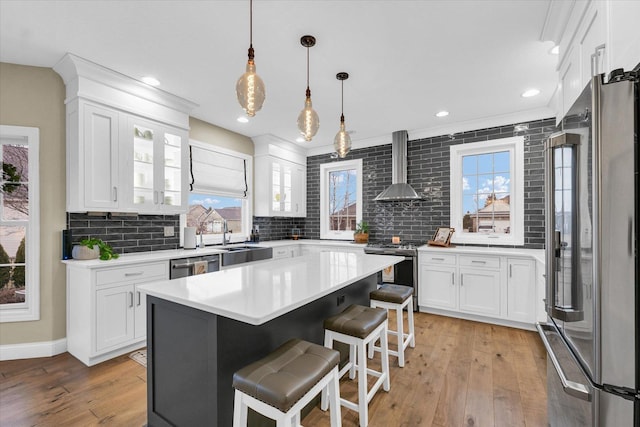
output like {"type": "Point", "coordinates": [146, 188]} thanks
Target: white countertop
{"type": "Point", "coordinates": [135, 258]}
{"type": "Point", "coordinates": [261, 291]}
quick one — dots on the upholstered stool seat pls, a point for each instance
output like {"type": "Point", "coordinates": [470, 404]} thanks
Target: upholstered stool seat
{"type": "Point", "coordinates": [282, 383]}
{"type": "Point", "coordinates": [396, 297]}
{"type": "Point", "coordinates": [359, 326]}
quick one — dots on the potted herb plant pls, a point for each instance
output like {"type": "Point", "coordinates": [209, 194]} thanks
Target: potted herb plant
{"type": "Point", "coordinates": [93, 248]}
{"type": "Point", "coordinates": [361, 233]}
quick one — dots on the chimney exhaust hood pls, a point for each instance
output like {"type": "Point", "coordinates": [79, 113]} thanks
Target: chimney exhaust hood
{"type": "Point", "coordinates": [399, 190]}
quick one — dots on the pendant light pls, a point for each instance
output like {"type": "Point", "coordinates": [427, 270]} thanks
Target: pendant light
{"type": "Point", "coordinates": [308, 120]}
{"type": "Point", "coordinates": [342, 141]}
{"type": "Point", "coordinates": [250, 87]}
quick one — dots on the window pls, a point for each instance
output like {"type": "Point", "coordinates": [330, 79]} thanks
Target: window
{"type": "Point", "coordinates": [487, 196]}
{"type": "Point", "coordinates": [340, 199]}
{"type": "Point", "coordinates": [219, 193]}
{"type": "Point", "coordinates": [19, 224]}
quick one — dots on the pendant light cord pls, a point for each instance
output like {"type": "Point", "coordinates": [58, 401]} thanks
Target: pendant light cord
{"type": "Point", "coordinates": [308, 70]}
{"type": "Point", "coordinates": [251, 52]}
{"type": "Point", "coordinates": [342, 100]}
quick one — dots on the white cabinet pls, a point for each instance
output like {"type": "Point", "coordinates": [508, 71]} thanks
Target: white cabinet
{"type": "Point", "coordinates": [438, 286]}
{"type": "Point", "coordinates": [156, 167]}
{"type": "Point", "coordinates": [106, 313]}
{"type": "Point", "coordinates": [103, 171]}
{"type": "Point", "coordinates": [280, 187]}
{"type": "Point", "coordinates": [491, 288]}
{"type": "Point", "coordinates": [280, 178]}
{"type": "Point", "coordinates": [521, 290]}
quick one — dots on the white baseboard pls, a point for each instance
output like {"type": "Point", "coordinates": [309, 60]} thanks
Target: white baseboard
{"type": "Point", "coordinates": [32, 350]}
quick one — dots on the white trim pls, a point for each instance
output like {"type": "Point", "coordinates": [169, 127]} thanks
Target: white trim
{"type": "Point", "coordinates": [30, 309]}
{"type": "Point", "coordinates": [515, 145]}
{"type": "Point", "coordinates": [325, 168]}
{"type": "Point", "coordinates": [32, 350]}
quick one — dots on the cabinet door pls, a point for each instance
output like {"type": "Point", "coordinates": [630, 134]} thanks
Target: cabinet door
{"type": "Point", "coordinates": [172, 170]}
{"type": "Point", "coordinates": [480, 291]}
{"type": "Point", "coordinates": [114, 316]}
{"type": "Point", "coordinates": [437, 287]}
{"type": "Point", "coordinates": [143, 174]}
{"type": "Point", "coordinates": [140, 308]}
{"type": "Point", "coordinates": [299, 191]}
{"type": "Point", "coordinates": [100, 162]}
{"type": "Point", "coordinates": [521, 291]}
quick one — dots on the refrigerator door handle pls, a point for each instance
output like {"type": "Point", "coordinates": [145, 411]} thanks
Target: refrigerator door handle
{"type": "Point", "coordinates": [572, 388]}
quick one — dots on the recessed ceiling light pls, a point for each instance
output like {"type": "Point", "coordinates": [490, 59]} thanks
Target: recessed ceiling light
{"type": "Point", "coordinates": [529, 93]}
{"type": "Point", "coordinates": [152, 81]}
{"type": "Point", "coordinates": [442, 113]}
{"type": "Point", "coordinates": [555, 50]}
{"type": "Point", "coordinates": [243, 119]}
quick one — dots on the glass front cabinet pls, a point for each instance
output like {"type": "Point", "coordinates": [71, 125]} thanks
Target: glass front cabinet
{"type": "Point", "coordinates": [159, 168]}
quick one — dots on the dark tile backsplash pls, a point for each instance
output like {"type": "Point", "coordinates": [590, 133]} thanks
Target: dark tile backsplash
{"type": "Point", "coordinates": [427, 172]}
{"type": "Point", "coordinates": [126, 233]}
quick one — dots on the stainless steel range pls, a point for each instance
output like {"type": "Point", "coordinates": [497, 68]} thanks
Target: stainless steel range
{"type": "Point", "coordinates": [403, 273]}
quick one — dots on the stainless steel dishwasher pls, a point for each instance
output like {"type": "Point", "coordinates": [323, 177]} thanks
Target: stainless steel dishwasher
{"type": "Point", "coordinates": [184, 267]}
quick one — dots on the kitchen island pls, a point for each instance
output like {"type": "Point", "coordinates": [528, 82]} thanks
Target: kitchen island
{"type": "Point", "coordinates": [201, 329]}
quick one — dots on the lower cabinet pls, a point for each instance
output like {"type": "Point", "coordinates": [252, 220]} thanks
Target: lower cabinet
{"type": "Point", "coordinates": [106, 313]}
{"type": "Point", "coordinates": [497, 289]}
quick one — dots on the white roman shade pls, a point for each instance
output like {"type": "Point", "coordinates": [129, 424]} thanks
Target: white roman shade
{"type": "Point", "coordinates": [213, 172]}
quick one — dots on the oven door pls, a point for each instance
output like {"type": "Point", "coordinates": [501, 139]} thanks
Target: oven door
{"type": "Point", "coordinates": [403, 273]}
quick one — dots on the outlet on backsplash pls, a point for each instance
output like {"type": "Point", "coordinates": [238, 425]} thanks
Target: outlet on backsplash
{"type": "Point", "coordinates": [169, 231]}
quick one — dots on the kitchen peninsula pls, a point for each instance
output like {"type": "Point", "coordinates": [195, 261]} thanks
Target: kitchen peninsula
{"type": "Point", "coordinates": [201, 329]}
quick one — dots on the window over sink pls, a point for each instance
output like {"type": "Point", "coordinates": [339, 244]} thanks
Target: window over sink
{"type": "Point", "coordinates": [487, 192]}
{"type": "Point", "coordinates": [220, 191]}
{"type": "Point", "coordinates": [340, 199]}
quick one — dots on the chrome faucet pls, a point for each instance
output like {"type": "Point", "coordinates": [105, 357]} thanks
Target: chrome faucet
{"type": "Point", "coordinates": [225, 230]}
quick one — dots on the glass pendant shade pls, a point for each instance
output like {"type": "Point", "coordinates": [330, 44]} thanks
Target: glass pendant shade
{"type": "Point", "coordinates": [250, 90]}
{"type": "Point", "coordinates": [342, 141]}
{"type": "Point", "coordinates": [308, 120]}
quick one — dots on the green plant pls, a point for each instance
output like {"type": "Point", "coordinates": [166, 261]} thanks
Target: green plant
{"type": "Point", "coordinates": [106, 251]}
{"type": "Point", "coordinates": [362, 228]}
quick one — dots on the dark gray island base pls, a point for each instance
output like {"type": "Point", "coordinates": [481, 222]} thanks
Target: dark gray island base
{"type": "Point", "coordinates": [192, 354]}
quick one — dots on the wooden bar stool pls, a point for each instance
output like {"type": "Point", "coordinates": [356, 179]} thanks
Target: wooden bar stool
{"type": "Point", "coordinates": [396, 297]}
{"type": "Point", "coordinates": [281, 384]}
{"type": "Point", "coordinates": [358, 326]}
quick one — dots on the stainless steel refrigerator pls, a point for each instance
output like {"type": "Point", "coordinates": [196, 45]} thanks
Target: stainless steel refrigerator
{"type": "Point", "coordinates": [592, 293]}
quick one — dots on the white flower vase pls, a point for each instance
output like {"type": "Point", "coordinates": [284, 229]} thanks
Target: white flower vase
{"type": "Point", "coordinates": [83, 252]}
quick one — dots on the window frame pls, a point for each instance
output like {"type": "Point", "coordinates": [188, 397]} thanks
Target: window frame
{"type": "Point", "coordinates": [325, 169]}
{"type": "Point", "coordinates": [247, 204]}
{"type": "Point", "coordinates": [515, 146]}
{"type": "Point", "coordinates": [30, 309]}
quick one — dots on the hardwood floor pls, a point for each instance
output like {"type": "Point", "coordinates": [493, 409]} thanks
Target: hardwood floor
{"type": "Point", "coordinates": [460, 373]}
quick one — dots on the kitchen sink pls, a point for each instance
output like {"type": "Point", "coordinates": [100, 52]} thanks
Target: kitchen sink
{"type": "Point", "coordinates": [241, 254]}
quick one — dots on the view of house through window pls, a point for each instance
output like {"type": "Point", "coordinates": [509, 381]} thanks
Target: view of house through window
{"type": "Point", "coordinates": [486, 194]}
{"type": "Point", "coordinates": [14, 221]}
{"type": "Point", "coordinates": [342, 199]}
{"type": "Point", "coordinates": [208, 213]}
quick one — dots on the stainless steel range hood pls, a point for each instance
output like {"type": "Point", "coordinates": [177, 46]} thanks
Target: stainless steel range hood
{"type": "Point", "coordinates": [399, 190]}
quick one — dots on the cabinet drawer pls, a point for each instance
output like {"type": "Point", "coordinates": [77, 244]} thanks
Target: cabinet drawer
{"type": "Point", "coordinates": [138, 272]}
{"type": "Point", "coordinates": [437, 259]}
{"type": "Point", "coordinates": [479, 261]}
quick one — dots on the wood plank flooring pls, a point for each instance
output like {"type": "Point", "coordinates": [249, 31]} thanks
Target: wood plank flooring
{"type": "Point", "coordinates": [460, 373]}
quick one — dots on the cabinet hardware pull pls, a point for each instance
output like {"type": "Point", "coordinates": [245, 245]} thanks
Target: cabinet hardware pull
{"type": "Point", "coordinates": [462, 280]}
{"type": "Point", "coordinates": [115, 194]}
{"type": "Point", "coordinates": [437, 259]}
{"type": "Point", "coordinates": [453, 278]}
{"type": "Point", "coordinates": [478, 262]}
{"type": "Point", "coordinates": [130, 299]}
{"type": "Point", "coordinates": [133, 274]}
{"type": "Point", "coordinates": [138, 295]}
{"type": "Point", "coordinates": [162, 197]}
{"type": "Point", "coordinates": [511, 271]}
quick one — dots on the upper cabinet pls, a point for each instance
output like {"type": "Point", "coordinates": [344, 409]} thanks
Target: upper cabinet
{"type": "Point", "coordinates": [595, 37]}
{"type": "Point", "coordinates": [127, 142]}
{"type": "Point", "coordinates": [281, 178]}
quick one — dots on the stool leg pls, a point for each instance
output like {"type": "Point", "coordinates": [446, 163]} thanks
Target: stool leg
{"type": "Point", "coordinates": [352, 360]}
{"type": "Point", "coordinates": [239, 410]}
{"type": "Point", "coordinates": [363, 404]}
{"type": "Point", "coordinates": [324, 402]}
{"type": "Point", "coordinates": [295, 420]}
{"type": "Point", "coordinates": [412, 332]}
{"type": "Point", "coordinates": [371, 346]}
{"type": "Point", "coordinates": [400, 335]}
{"type": "Point", "coordinates": [334, 396]}
{"type": "Point", "coordinates": [384, 344]}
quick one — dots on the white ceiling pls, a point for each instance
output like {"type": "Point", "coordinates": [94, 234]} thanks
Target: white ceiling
{"type": "Point", "coordinates": [407, 60]}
